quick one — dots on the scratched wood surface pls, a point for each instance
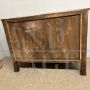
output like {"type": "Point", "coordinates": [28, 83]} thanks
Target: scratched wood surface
{"type": "Point", "coordinates": [55, 38]}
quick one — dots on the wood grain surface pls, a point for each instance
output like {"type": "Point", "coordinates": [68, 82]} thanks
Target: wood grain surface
{"type": "Point", "coordinates": [55, 37]}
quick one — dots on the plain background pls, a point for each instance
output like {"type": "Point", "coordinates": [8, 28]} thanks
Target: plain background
{"type": "Point", "coordinates": [19, 8]}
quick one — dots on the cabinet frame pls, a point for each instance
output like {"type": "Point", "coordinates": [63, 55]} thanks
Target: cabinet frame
{"type": "Point", "coordinates": [83, 35]}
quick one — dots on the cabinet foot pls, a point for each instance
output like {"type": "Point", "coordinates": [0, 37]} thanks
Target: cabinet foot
{"type": "Point", "coordinates": [16, 67]}
{"type": "Point", "coordinates": [83, 68]}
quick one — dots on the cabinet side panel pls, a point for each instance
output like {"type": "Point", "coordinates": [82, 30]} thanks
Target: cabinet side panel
{"type": "Point", "coordinates": [5, 25]}
{"type": "Point", "coordinates": [84, 34]}
{"type": "Point", "coordinates": [84, 42]}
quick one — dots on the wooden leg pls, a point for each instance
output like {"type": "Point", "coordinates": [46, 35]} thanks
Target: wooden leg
{"type": "Point", "coordinates": [0, 64]}
{"type": "Point", "coordinates": [83, 68]}
{"type": "Point", "coordinates": [16, 67]}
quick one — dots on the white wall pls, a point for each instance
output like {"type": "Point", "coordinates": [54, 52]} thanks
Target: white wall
{"type": "Point", "coordinates": [18, 8]}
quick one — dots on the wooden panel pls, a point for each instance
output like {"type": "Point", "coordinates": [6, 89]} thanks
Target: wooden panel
{"type": "Point", "coordinates": [46, 16]}
{"type": "Point", "coordinates": [56, 38]}
{"type": "Point", "coordinates": [84, 24]}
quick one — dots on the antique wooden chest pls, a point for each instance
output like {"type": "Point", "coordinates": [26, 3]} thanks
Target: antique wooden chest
{"type": "Point", "coordinates": [56, 37]}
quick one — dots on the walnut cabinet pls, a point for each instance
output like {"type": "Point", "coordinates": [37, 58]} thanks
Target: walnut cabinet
{"type": "Point", "coordinates": [56, 37]}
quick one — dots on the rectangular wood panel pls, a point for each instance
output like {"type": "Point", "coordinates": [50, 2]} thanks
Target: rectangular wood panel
{"type": "Point", "coordinates": [55, 38]}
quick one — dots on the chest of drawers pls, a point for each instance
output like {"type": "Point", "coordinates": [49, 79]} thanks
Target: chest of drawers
{"type": "Point", "coordinates": [55, 37]}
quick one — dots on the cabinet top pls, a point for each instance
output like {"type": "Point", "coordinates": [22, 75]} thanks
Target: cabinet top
{"type": "Point", "coordinates": [46, 16]}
